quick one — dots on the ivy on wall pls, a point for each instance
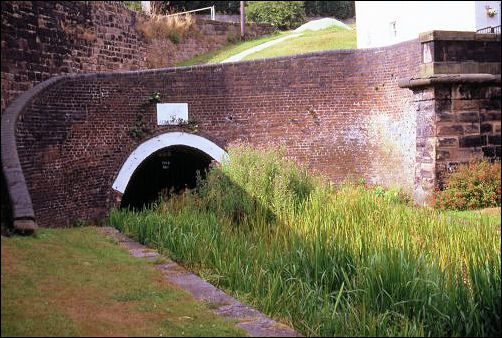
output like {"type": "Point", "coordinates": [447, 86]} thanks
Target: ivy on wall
{"type": "Point", "coordinates": [140, 129]}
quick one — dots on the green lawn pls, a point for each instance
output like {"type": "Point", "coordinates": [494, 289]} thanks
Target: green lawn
{"type": "Point", "coordinates": [77, 282]}
{"type": "Point", "coordinates": [308, 41]}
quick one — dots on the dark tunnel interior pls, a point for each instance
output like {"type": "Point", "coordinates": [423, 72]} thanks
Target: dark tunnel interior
{"type": "Point", "coordinates": [169, 170]}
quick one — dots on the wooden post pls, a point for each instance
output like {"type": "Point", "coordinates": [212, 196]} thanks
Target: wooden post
{"type": "Point", "coordinates": [242, 20]}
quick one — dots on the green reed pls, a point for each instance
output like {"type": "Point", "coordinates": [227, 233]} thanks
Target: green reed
{"type": "Point", "coordinates": [345, 260]}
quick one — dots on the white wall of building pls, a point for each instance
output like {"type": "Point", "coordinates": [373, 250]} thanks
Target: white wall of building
{"type": "Point", "coordinates": [383, 23]}
{"type": "Point", "coordinates": [482, 19]}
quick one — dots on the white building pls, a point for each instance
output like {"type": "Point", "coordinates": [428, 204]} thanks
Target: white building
{"type": "Point", "coordinates": [383, 23]}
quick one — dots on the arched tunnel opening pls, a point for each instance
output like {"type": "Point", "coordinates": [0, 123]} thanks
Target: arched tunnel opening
{"type": "Point", "coordinates": [167, 171]}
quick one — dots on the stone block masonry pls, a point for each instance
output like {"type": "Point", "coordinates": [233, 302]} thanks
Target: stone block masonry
{"type": "Point", "coordinates": [458, 104]}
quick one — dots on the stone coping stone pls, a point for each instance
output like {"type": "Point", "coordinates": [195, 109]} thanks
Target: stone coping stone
{"type": "Point", "coordinates": [457, 36]}
{"type": "Point", "coordinates": [448, 78]}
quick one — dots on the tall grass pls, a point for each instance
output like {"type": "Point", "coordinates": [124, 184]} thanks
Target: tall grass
{"type": "Point", "coordinates": [163, 26]}
{"type": "Point", "coordinates": [328, 260]}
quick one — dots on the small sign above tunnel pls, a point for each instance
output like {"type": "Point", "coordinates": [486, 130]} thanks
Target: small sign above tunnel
{"type": "Point", "coordinates": [171, 113]}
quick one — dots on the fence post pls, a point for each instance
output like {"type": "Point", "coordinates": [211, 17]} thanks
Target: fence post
{"type": "Point", "coordinates": [242, 20]}
{"type": "Point", "coordinates": [213, 13]}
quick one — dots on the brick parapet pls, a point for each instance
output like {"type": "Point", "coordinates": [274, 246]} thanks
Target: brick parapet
{"type": "Point", "coordinates": [340, 113]}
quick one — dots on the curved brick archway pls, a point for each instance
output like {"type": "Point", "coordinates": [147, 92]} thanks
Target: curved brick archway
{"type": "Point", "coordinates": [147, 148]}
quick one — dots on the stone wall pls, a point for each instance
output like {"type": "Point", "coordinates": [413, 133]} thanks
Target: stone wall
{"type": "Point", "coordinates": [41, 39]}
{"type": "Point", "coordinates": [457, 121]}
{"type": "Point", "coordinates": [457, 96]}
{"type": "Point", "coordinates": [341, 113]}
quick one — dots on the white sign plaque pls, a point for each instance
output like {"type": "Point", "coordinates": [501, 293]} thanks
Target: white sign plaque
{"type": "Point", "coordinates": [169, 114]}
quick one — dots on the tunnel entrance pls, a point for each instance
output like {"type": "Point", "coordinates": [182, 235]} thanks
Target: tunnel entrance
{"type": "Point", "coordinates": [168, 170]}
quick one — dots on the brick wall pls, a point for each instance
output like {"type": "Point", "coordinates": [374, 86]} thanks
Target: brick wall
{"type": "Point", "coordinates": [41, 39]}
{"type": "Point", "coordinates": [339, 112]}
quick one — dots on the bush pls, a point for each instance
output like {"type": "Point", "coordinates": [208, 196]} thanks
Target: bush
{"type": "Point", "coordinates": [174, 37]}
{"type": "Point", "coordinates": [282, 14]}
{"type": "Point", "coordinates": [338, 9]}
{"type": "Point", "coordinates": [133, 5]}
{"type": "Point", "coordinates": [227, 7]}
{"type": "Point", "coordinates": [472, 186]}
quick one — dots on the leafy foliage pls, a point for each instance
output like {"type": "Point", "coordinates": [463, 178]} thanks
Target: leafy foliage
{"type": "Point", "coordinates": [282, 14]}
{"type": "Point", "coordinates": [472, 186]}
{"type": "Point", "coordinates": [338, 9]}
{"type": "Point", "coordinates": [227, 7]}
{"type": "Point", "coordinates": [133, 5]}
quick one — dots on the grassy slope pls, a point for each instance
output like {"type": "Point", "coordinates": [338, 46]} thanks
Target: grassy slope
{"type": "Point", "coordinates": [227, 51]}
{"type": "Point", "coordinates": [309, 41]}
{"type": "Point", "coordinates": [78, 283]}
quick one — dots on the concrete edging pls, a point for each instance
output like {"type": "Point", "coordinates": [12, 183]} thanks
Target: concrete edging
{"type": "Point", "coordinates": [251, 320]}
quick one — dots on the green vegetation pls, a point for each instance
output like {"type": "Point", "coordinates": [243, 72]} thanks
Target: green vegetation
{"type": "Point", "coordinates": [476, 216]}
{"type": "Point", "coordinates": [133, 5]}
{"type": "Point", "coordinates": [230, 50]}
{"type": "Point", "coordinates": [471, 186]}
{"type": "Point", "coordinates": [76, 282]}
{"type": "Point", "coordinates": [310, 41]}
{"type": "Point", "coordinates": [349, 260]}
{"type": "Point", "coordinates": [282, 14]}
{"type": "Point", "coordinates": [337, 9]}
{"type": "Point", "coordinates": [227, 7]}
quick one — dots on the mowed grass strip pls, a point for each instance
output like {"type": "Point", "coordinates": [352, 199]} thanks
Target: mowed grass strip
{"type": "Point", "coordinates": [77, 282]}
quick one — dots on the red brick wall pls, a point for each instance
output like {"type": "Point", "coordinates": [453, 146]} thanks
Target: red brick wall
{"type": "Point", "coordinates": [339, 112]}
{"type": "Point", "coordinates": [41, 39]}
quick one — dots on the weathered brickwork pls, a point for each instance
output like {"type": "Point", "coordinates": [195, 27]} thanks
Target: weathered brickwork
{"type": "Point", "coordinates": [340, 112]}
{"type": "Point", "coordinates": [41, 39]}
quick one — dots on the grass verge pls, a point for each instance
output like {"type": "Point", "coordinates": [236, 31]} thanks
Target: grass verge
{"type": "Point", "coordinates": [329, 260]}
{"type": "Point", "coordinates": [310, 41]}
{"type": "Point", "coordinates": [76, 282]}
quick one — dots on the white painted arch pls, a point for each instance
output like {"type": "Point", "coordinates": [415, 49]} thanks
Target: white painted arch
{"type": "Point", "coordinates": [156, 143]}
